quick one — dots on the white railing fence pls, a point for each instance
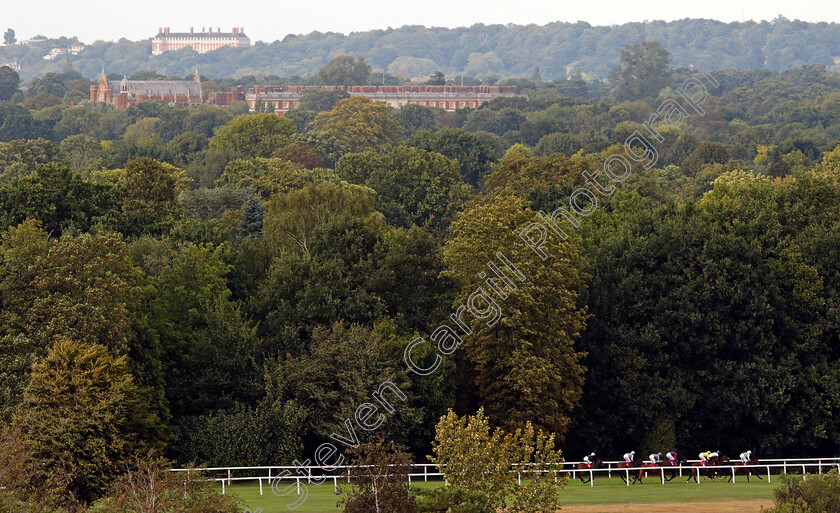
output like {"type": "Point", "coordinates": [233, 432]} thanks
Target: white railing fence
{"type": "Point", "coordinates": [274, 476]}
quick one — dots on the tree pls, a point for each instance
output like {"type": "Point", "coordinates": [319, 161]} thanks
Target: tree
{"type": "Point", "coordinates": [82, 417]}
{"type": "Point", "coordinates": [291, 217]}
{"type": "Point", "coordinates": [362, 123]}
{"type": "Point", "coordinates": [557, 143]}
{"type": "Point", "coordinates": [523, 364]}
{"type": "Point", "coordinates": [345, 70]}
{"type": "Point", "coordinates": [437, 78]}
{"type": "Point", "coordinates": [418, 187]}
{"type": "Point", "coordinates": [490, 461]}
{"type": "Point", "coordinates": [302, 154]}
{"type": "Point", "coordinates": [378, 473]}
{"type": "Point", "coordinates": [358, 271]}
{"type": "Point", "coordinates": [9, 82]}
{"type": "Point", "coordinates": [643, 71]}
{"type": "Point", "coordinates": [150, 482]}
{"type": "Point", "coordinates": [808, 494]}
{"type": "Point", "coordinates": [320, 100]}
{"type": "Point", "coordinates": [150, 183]}
{"type": "Point", "coordinates": [536, 75]}
{"type": "Point", "coordinates": [474, 155]}
{"type": "Point", "coordinates": [256, 135]}
{"type": "Point", "coordinates": [414, 117]}
{"type": "Point", "coordinates": [9, 37]}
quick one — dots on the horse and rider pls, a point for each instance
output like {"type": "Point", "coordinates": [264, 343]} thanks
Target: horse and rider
{"type": "Point", "coordinates": [590, 462]}
{"type": "Point", "coordinates": [711, 459]}
{"type": "Point", "coordinates": [748, 465]}
{"type": "Point", "coordinates": [631, 461]}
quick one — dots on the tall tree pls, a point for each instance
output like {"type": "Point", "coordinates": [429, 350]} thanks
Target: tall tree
{"type": "Point", "coordinates": [345, 70]}
{"type": "Point", "coordinates": [522, 356]}
{"type": "Point", "coordinates": [255, 135]}
{"type": "Point", "coordinates": [643, 71]}
{"type": "Point", "coordinates": [362, 123]}
{"type": "Point", "coordinates": [9, 37]}
{"type": "Point", "coordinates": [9, 82]}
{"type": "Point", "coordinates": [81, 419]}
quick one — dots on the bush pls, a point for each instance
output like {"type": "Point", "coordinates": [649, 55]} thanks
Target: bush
{"type": "Point", "coordinates": [150, 483]}
{"type": "Point", "coordinates": [814, 494]}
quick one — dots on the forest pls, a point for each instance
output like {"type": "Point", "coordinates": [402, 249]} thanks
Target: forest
{"type": "Point", "coordinates": [480, 51]}
{"type": "Point", "coordinates": [219, 287]}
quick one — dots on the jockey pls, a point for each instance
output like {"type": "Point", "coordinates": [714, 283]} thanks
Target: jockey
{"type": "Point", "coordinates": [672, 457]}
{"type": "Point", "coordinates": [629, 457]}
{"type": "Point", "coordinates": [655, 458]}
{"type": "Point", "coordinates": [589, 460]}
{"type": "Point", "coordinates": [745, 457]}
{"type": "Point", "coordinates": [705, 457]}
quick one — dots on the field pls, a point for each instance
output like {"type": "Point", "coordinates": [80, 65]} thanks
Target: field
{"type": "Point", "coordinates": [608, 495]}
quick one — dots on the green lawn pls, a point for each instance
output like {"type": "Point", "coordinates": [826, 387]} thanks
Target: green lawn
{"type": "Point", "coordinates": [322, 499]}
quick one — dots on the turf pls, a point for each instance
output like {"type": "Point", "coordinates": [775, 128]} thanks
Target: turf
{"type": "Point", "coordinates": [322, 498]}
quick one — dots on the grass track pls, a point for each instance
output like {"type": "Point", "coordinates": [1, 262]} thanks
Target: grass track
{"type": "Point", "coordinates": [322, 499]}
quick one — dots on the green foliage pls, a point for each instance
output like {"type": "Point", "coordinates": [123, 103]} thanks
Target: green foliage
{"type": "Point", "coordinates": [9, 82]}
{"type": "Point", "coordinates": [474, 155]}
{"type": "Point", "coordinates": [525, 367]}
{"type": "Point", "coordinates": [490, 461]}
{"type": "Point", "coordinates": [454, 500]}
{"type": "Point", "coordinates": [643, 71]}
{"type": "Point", "coordinates": [256, 135]}
{"type": "Point", "coordinates": [378, 473]}
{"type": "Point", "coordinates": [808, 494]}
{"type": "Point", "coordinates": [321, 100]}
{"type": "Point", "coordinates": [267, 435]}
{"type": "Point", "coordinates": [328, 388]}
{"type": "Point", "coordinates": [149, 482]}
{"type": "Point", "coordinates": [292, 217]}
{"type": "Point", "coordinates": [361, 123]}
{"type": "Point", "coordinates": [345, 70]}
{"type": "Point", "coordinates": [81, 417]}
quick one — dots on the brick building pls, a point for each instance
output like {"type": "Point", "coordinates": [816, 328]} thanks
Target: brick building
{"type": "Point", "coordinates": [282, 99]}
{"type": "Point", "coordinates": [204, 41]}
{"type": "Point", "coordinates": [124, 93]}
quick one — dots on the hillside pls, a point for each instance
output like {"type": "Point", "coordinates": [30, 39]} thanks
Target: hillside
{"type": "Point", "coordinates": [479, 51]}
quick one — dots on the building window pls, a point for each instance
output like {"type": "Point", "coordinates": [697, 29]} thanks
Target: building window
{"type": "Point", "coordinates": [285, 105]}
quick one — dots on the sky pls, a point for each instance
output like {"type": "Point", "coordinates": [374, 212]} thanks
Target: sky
{"type": "Point", "coordinates": [92, 20]}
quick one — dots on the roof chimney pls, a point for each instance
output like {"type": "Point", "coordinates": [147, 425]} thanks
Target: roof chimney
{"type": "Point", "coordinates": [191, 30]}
{"type": "Point", "coordinates": [234, 30]}
{"type": "Point", "coordinates": [241, 30]}
{"type": "Point", "coordinates": [160, 29]}
{"type": "Point", "coordinates": [166, 30]}
{"type": "Point", "coordinates": [203, 30]}
{"type": "Point", "coordinates": [218, 30]}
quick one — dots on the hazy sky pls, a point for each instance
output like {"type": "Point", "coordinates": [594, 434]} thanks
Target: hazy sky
{"type": "Point", "coordinates": [268, 21]}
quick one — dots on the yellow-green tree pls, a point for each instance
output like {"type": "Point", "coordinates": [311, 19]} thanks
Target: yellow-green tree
{"type": "Point", "coordinates": [360, 122]}
{"type": "Point", "coordinates": [477, 458]}
{"type": "Point", "coordinates": [525, 366]}
{"type": "Point", "coordinates": [81, 418]}
{"type": "Point", "coordinates": [254, 135]}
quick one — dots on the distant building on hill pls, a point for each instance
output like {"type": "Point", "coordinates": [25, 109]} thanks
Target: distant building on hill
{"type": "Point", "coordinates": [124, 93]}
{"type": "Point", "coordinates": [201, 42]}
{"type": "Point", "coordinates": [282, 99]}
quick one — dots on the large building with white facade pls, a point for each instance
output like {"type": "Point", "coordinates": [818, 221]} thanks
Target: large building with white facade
{"type": "Point", "coordinates": [204, 41]}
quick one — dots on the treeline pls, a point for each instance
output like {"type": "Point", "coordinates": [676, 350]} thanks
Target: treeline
{"type": "Point", "coordinates": [558, 49]}
{"type": "Point", "coordinates": [228, 288]}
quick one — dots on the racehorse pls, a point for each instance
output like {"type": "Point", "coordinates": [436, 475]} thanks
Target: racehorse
{"type": "Point", "coordinates": [584, 467]}
{"type": "Point", "coordinates": [636, 475]}
{"type": "Point", "coordinates": [672, 468]}
{"type": "Point", "coordinates": [747, 468]}
{"type": "Point", "coordinates": [666, 468]}
{"type": "Point", "coordinates": [698, 468]}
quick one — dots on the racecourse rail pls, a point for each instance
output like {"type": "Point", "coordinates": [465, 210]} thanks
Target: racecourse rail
{"type": "Point", "coordinates": [314, 474]}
